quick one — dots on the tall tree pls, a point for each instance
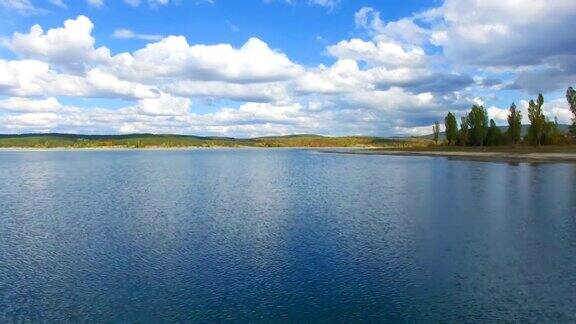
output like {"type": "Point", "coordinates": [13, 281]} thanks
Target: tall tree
{"type": "Point", "coordinates": [463, 134]}
{"type": "Point", "coordinates": [514, 124]}
{"type": "Point", "coordinates": [571, 97]}
{"type": "Point", "coordinates": [537, 121]}
{"type": "Point", "coordinates": [478, 123]}
{"type": "Point", "coordinates": [494, 135]}
{"type": "Point", "coordinates": [551, 133]}
{"type": "Point", "coordinates": [451, 128]}
{"type": "Point", "coordinates": [436, 130]}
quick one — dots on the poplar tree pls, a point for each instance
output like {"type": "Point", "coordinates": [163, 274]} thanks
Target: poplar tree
{"type": "Point", "coordinates": [451, 128]}
{"type": "Point", "coordinates": [514, 124]}
{"type": "Point", "coordinates": [571, 97]}
{"type": "Point", "coordinates": [537, 121]}
{"type": "Point", "coordinates": [436, 130]}
{"type": "Point", "coordinates": [463, 134]}
{"type": "Point", "coordinates": [478, 124]}
{"type": "Point", "coordinates": [494, 136]}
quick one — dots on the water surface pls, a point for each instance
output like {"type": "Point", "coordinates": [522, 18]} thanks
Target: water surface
{"type": "Point", "coordinates": [283, 235]}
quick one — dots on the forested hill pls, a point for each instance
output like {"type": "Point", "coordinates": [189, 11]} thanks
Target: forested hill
{"type": "Point", "coordinates": [56, 140]}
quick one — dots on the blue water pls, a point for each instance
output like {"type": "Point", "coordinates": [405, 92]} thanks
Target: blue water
{"type": "Point", "coordinates": [283, 236]}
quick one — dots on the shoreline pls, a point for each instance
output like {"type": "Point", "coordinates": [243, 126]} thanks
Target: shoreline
{"type": "Point", "coordinates": [506, 157]}
{"type": "Point", "coordinates": [187, 148]}
{"type": "Point", "coordinates": [498, 157]}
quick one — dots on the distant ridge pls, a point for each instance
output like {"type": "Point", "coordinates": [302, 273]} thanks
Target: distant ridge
{"type": "Point", "coordinates": [63, 140]}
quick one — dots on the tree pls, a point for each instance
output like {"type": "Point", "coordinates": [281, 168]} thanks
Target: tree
{"type": "Point", "coordinates": [451, 128]}
{"type": "Point", "coordinates": [551, 133]}
{"type": "Point", "coordinates": [514, 124]}
{"type": "Point", "coordinates": [571, 97]}
{"type": "Point", "coordinates": [537, 121]}
{"type": "Point", "coordinates": [436, 130]}
{"type": "Point", "coordinates": [463, 134]}
{"type": "Point", "coordinates": [494, 135]}
{"type": "Point", "coordinates": [478, 124]}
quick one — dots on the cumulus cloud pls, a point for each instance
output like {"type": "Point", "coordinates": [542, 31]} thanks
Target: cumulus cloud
{"type": "Point", "coordinates": [529, 39]}
{"type": "Point", "coordinates": [379, 52]}
{"type": "Point", "coordinates": [71, 46]}
{"type": "Point", "coordinates": [165, 105]}
{"type": "Point", "coordinates": [506, 32]}
{"type": "Point", "coordinates": [404, 30]}
{"type": "Point", "coordinates": [28, 78]}
{"type": "Point", "coordinates": [342, 77]}
{"type": "Point", "coordinates": [27, 105]}
{"type": "Point", "coordinates": [259, 92]}
{"type": "Point", "coordinates": [387, 84]}
{"type": "Point", "coordinates": [172, 56]}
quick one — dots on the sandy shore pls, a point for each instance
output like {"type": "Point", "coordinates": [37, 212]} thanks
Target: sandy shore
{"type": "Point", "coordinates": [474, 156]}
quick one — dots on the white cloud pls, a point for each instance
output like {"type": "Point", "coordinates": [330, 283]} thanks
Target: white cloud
{"type": "Point", "coordinates": [58, 3]}
{"type": "Point", "coordinates": [385, 85]}
{"type": "Point", "coordinates": [71, 46]}
{"type": "Point", "coordinates": [95, 3]}
{"type": "Point", "coordinates": [173, 57]}
{"type": "Point", "coordinates": [32, 121]}
{"type": "Point", "coordinates": [258, 92]}
{"type": "Point", "coordinates": [404, 30]}
{"type": "Point", "coordinates": [124, 33]}
{"type": "Point", "coordinates": [506, 32]}
{"type": "Point", "coordinates": [344, 76]}
{"type": "Point", "coordinates": [379, 52]}
{"type": "Point", "coordinates": [16, 104]}
{"type": "Point", "coordinates": [325, 3]}
{"type": "Point", "coordinates": [35, 78]}
{"type": "Point", "coordinates": [21, 6]}
{"type": "Point", "coordinates": [165, 105]}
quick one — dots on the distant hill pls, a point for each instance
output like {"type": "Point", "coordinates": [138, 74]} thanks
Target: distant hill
{"type": "Point", "coordinates": [56, 140]}
{"type": "Point", "coordinates": [562, 127]}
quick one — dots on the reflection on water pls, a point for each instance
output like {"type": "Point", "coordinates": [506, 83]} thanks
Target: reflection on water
{"type": "Point", "coordinates": [283, 235]}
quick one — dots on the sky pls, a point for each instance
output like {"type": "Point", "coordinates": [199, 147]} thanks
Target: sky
{"type": "Point", "coordinates": [276, 67]}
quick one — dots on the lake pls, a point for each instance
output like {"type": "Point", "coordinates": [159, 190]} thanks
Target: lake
{"type": "Point", "coordinates": [250, 235]}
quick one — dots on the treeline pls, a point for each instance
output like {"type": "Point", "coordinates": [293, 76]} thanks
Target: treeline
{"type": "Point", "coordinates": [476, 130]}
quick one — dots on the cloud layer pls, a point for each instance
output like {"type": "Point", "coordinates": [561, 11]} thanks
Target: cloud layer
{"type": "Point", "coordinates": [389, 78]}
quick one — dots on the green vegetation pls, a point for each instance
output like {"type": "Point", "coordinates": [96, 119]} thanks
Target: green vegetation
{"type": "Point", "coordinates": [494, 135]}
{"type": "Point", "coordinates": [477, 130]}
{"type": "Point", "coordinates": [183, 141]}
{"type": "Point", "coordinates": [436, 130]}
{"type": "Point", "coordinates": [451, 128]}
{"type": "Point", "coordinates": [571, 98]}
{"type": "Point", "coordinates": [463, 134]}
{"type": "Point", "coordinates": [537, 121]}
{"type": "Point", "coordinates": [514, 131]}
{"type": "Point", "coordinates": [477, 123]}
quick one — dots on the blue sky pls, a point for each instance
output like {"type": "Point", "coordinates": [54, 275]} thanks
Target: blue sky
{"type": "Point", "coordinates": [266, 67]}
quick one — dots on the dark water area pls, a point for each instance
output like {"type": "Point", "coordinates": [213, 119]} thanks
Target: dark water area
{"type": "Point", "coordinates": [283, 236]}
